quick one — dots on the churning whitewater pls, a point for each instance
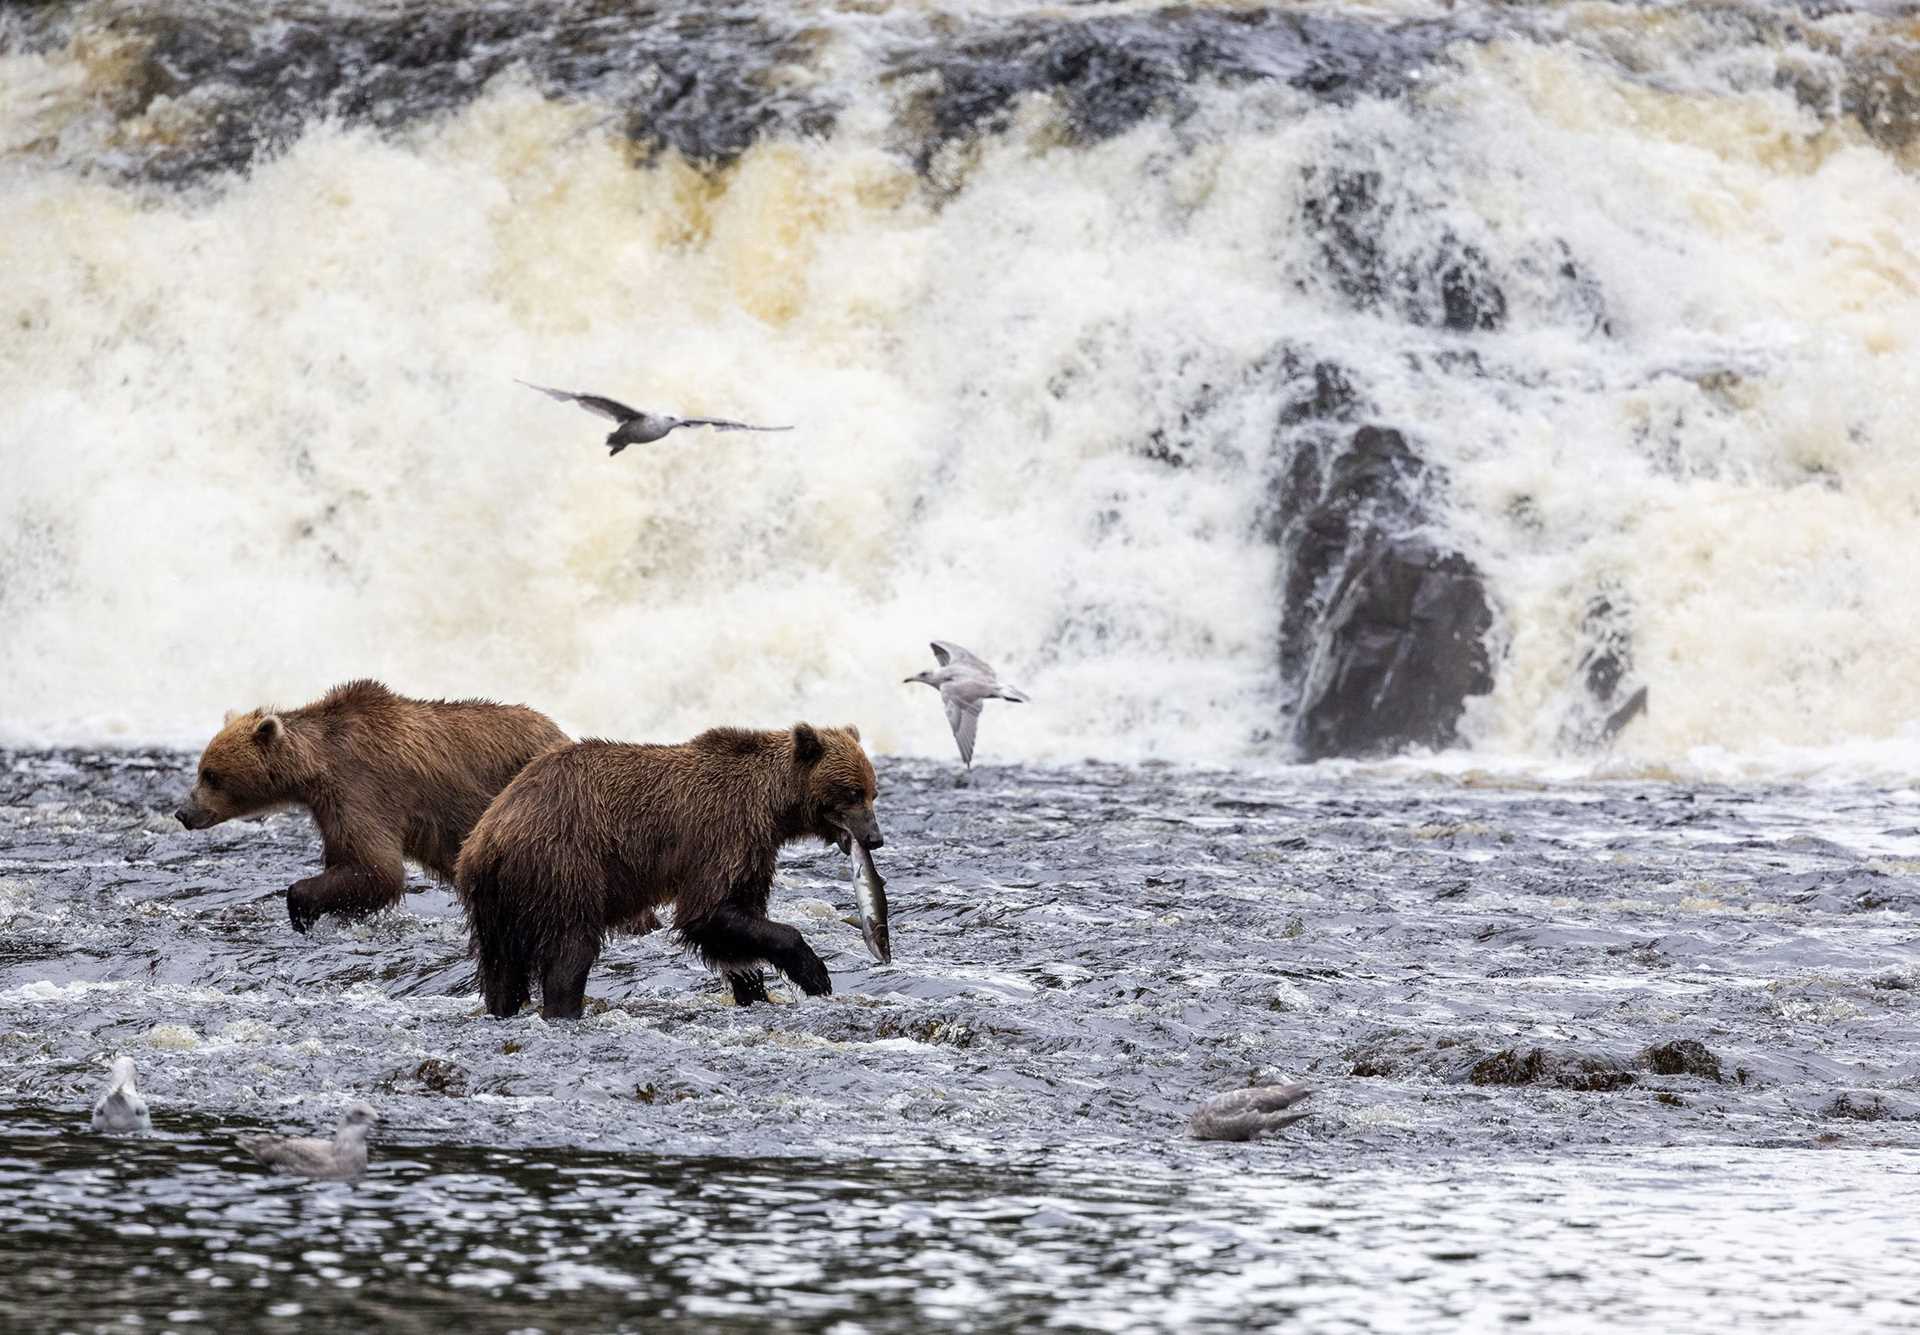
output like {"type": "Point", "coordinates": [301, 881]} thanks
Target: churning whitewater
{"type": "Point", "coordinates": [1636, 286]}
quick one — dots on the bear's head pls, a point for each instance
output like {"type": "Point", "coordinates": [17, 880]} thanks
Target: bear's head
{"type": "Point", "coordinates": [248, 767]}
{"type": "Point", "coordinates": [839, 785]}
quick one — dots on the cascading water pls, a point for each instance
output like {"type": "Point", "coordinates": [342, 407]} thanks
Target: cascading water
{"type": "Point", "coordinates": [1077, 316]}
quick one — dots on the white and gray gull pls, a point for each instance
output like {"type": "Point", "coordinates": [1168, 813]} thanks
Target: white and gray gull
{"type": "Point", "coordinates": [1246, 1114]}
{"type": "Point", "coordinates": [343, 1157]}
{"type": "Point", "coordinates": [637, 426]}
{"type": "Point", "coordinates": [121, 1109]}
{"type": "Point", "coordinates": [964, 682]}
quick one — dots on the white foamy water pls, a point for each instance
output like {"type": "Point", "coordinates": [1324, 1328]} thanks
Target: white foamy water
{"type": "Point", "coordinates": [263, 437]}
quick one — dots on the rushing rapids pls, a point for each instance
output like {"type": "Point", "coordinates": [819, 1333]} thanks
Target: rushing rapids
{"type": "Point", "coordinates": [1596, 1034]}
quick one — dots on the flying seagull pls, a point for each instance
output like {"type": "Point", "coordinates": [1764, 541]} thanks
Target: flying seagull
{"type": "Point", "coordinates": [964, 681]}
{"type": "Point", "coordinates": [343, 1157]}
{"type": "Point", "coordinates": [637, 427]}
{"type": "Point", "coordinates": [1246, 1114]}
{"type": "Point", "coordinates": [121, 1108]}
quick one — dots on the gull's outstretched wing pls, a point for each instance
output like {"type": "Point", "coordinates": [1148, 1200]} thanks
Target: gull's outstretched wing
{"type": "Point", "coordinates": [963, 716]}
{"type": "Point", "coordinates": [723, 424]}
{"type": "Point", "coordinates": [946, 652]}
{"type": "Point", "coordinates": [612, 409]}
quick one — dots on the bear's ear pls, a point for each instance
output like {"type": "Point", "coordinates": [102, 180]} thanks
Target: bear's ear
{"type": "Point", "coordinates": [807, 746]}
{"type": "Point", "coordinates": [231, 715]}
{"type": "Point", "coordinates": [852, 730]}
{"type": "Point", "coordinates": [267, 731]}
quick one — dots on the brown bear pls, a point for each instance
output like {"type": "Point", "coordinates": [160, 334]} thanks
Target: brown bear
{"type": "Point", "coordinates": [386, 778]}
{"type": "Point", "coordinates": [588, 836]}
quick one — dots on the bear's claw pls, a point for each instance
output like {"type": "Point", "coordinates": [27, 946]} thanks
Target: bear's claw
{"type": "Point", "coordinates": [812, 977]}
{"type": "Point", "coordinates": [302, 912]}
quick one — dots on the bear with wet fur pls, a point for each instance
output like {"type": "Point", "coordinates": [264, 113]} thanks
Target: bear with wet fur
{"type": "Point", "coordinates": [387, 779]}
{"type": "Point", "coordinates": [588, 836]}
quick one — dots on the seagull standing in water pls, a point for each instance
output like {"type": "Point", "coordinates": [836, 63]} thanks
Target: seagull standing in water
{"type": "Point", "coordinates": [336, 1160]}
{"type": "Point", "coordinates": [964, 682]}
{"type": "Point", "coordinates": [1247, 1114]}
{"type": "Point", "coordinates": [637, 427]}
{"type": "Point", "coordinates": [121, 1109]}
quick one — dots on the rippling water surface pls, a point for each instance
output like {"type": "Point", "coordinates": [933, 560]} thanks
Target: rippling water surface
{"type": "Point", "coordinates": [1491, 983]}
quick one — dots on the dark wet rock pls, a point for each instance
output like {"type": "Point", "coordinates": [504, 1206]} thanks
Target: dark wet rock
{"type": "Point", "coordinates": [239, 84]}
{"type": "Point", "coordinates": [1338, 490]}
{"type": "Point", "coordinates": [442, 1077]}
{"type": "Point", "coordinates": [652, 1093]}
{"type": "Point", "coordinates": [1583, 1071]}
{"type": "Point", "coordinates": [1685, 1056]}
{"type": "Point", "coordinates": [1426, 273]}
{"type": "Point", "coordinates": [1871, 77]}
{"type": "Point", "coordinates": [1400, 1053]}
{"type": "Point", "coordinates": [1110, 73]}
{"type": "Point", "coordinates": [1452, 285]}
{"type": "Point", "coordinates": [1882, 92]}
{"type": "Point", "coordinates": [1402, 649]}
{"type": "Point", "coordinates": [1607, 697]}
{"type": "Point", "coordinates": [1382, 630]}
{"type": "Point", "coordinates": [1852, 891]}
{"type": "Point", "coordinates": [435, 1075]}
{"type": "Point", "coordinates": [1858, 1107]}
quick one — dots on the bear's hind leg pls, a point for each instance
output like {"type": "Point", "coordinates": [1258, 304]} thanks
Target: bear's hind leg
{"type": "Point", "coordinates": [506, 976]}
{"type": "Point", "coordinates": [563, 975]}
{"type": "Point", "coordinates": [749, 985]}
{"type": "Point", "coordinates": [729, 938]}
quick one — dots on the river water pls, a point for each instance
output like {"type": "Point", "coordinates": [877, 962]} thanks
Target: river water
{"type": "Point", "coordinates": [1478, 972]}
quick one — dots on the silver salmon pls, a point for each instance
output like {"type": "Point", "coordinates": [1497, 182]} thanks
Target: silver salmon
{"type": "Point", "coordinates": [871, 891]}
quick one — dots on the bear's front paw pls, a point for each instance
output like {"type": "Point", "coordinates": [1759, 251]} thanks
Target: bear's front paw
{"type": "Point", "coordinates": [303, 909]}
{"type": "Point", "coordinates": [811, 974]}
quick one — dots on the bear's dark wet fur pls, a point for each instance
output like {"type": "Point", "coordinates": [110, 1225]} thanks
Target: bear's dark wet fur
{"type": "Point", "coordinates": [592, 835]}
{"type": "Point", "coordinates": [387, 778]}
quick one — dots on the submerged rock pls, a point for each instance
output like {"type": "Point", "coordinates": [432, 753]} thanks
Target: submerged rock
{"type": "Point", "coordinates": [1685, 1056]}
{"type": "Point", "coordinates": [1605, 698]}
{"type": "Point", "coordinates": [1583, 1071]}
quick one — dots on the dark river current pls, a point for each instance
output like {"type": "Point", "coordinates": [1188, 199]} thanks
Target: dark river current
{"type": "Point", "coordinates": [1616, 1052]}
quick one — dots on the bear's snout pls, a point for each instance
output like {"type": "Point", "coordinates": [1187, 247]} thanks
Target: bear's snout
{"type": "Point", "coordinates": [864, 827]}
{"type": "Point", "coordinates": [191, 817]}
